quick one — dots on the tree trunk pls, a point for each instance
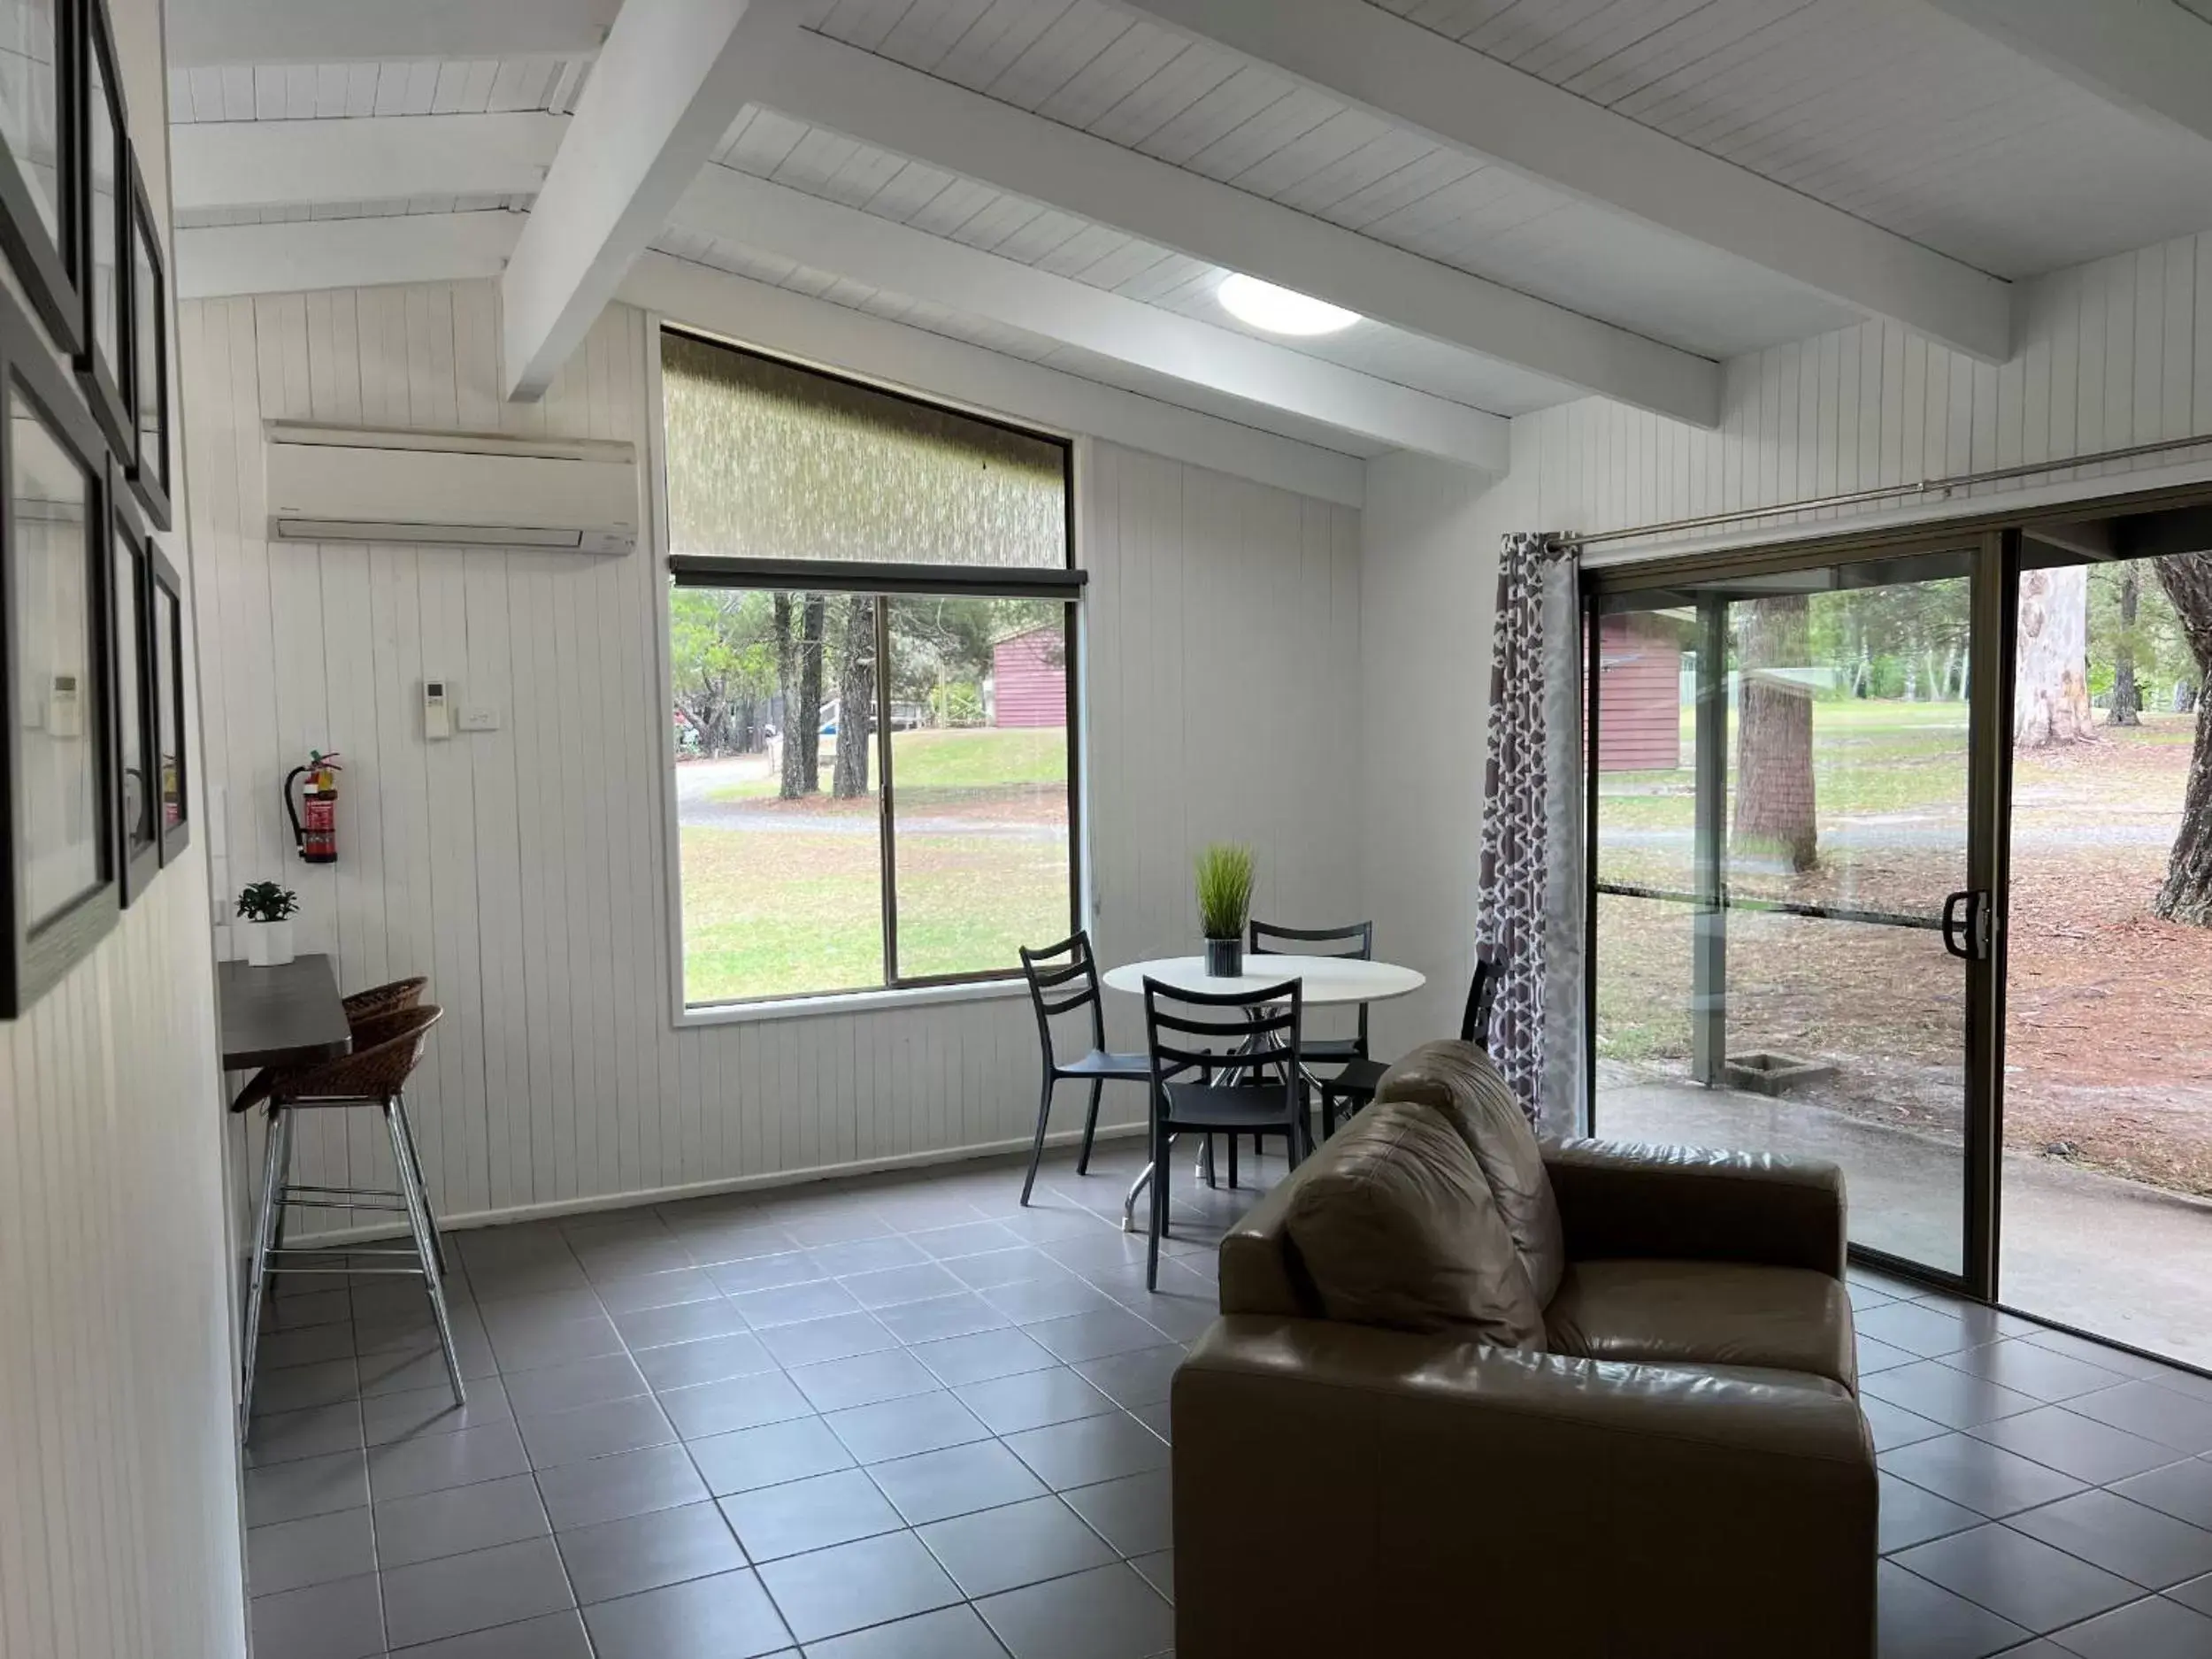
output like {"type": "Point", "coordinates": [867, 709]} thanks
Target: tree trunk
{"type": "Point", "coordinates": [2127, 702]}
{"type": "Point", "coordinates": [2187, 893]}
{"type": "Point", "coordinates": [808, 726]}
{"type": "Point", "coordinates": [2051, 690]}
{"type": "Point", "coordinates": [790, 777]}
{"type": "Point", "coordinates": [1774, 745]}
{"type": "Point", "coordinates": [856, 698]}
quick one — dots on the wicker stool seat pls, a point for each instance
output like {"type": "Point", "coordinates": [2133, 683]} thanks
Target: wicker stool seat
{"type": "Point", "coordinates": [387, 1049]}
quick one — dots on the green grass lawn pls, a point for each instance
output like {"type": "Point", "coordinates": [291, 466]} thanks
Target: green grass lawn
{"type": "Point", "coordinates": [1868, 756]}
{"type": "Point", "coordinates": [787, 911]}
{"type": "Point", "coordinates": [945, 766]}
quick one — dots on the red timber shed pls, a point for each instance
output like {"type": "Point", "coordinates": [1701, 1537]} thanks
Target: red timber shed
{"type": "Point", "coordinates": [1640, 695]}
{"type": "Point", "coordinates": [1029, 679]}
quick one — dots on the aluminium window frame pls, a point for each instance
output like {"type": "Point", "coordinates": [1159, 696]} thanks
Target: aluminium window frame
{"type": "Point", "coordinates": [885, 580]}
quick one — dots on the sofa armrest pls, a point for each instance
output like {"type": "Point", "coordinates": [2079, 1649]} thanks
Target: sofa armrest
{"type": "Point", "coordinates": [1621, 1200]}
{"type": "Point", "coordinates": [1342, 1489]}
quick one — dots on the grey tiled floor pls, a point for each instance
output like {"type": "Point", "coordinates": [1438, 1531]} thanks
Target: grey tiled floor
{"type": "Point", "coordinates": [906, 1418]}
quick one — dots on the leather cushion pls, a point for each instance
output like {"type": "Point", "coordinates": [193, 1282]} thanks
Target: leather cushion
{"type": "Point", "coordinates": [1459, 1080]}
{"type": "Point", "coordinates": [1395, 1226]}
{"type": "Point", "coordinates": [1705, 1313]}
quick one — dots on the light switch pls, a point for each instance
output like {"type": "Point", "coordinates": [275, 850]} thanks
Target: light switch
{"type": "Point", "coordinates": [479, 717]}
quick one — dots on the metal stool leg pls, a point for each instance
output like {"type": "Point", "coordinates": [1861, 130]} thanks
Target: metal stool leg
{"type": "Point", "coordinates": [275, 1162]}
{"type": "Point", "coordinates": [426, 1247]}
{"type": "Point", "coordinates": [414, 1159]}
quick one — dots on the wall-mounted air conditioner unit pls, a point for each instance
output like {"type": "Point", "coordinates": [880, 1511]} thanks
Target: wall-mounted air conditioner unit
{"type": "Point", "coordinates": [450, 488]}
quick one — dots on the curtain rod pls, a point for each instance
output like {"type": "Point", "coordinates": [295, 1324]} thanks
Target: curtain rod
{"type": "Point", "coordinates": [1955, 481]}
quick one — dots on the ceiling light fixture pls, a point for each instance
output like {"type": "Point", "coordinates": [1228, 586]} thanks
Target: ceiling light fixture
{"type": "Point", "coordinates": [1280, 310]}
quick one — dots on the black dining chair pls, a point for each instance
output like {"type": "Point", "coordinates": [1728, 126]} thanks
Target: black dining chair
{"type": "Point", "coordinates": [1354, 1085]}
{"type": "Point", "coordinates": [1226, 1063]}
{"type": "Point", "coordinates": [1057, 988]}
{"type": "Point", "coordinates": [1357, 940]}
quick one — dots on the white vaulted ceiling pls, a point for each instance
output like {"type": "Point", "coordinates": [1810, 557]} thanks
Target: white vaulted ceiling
{"type": "Point", "coordinates": [1202, 107]}
{"type": "Point", "coordinates": [1680, 181]}
{"type": "Point", "coordinates": [1889, 109]}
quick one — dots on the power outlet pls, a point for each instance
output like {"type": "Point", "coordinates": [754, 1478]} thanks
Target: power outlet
{"type": "Point", "coordinates": [480, 717]}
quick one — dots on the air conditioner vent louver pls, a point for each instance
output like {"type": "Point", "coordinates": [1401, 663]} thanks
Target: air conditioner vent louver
{"type": "Point", "coordinates": [450, 489]}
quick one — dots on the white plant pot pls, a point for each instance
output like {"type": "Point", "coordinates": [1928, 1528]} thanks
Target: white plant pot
{"type": "Point", "coordinates": [268, 944]}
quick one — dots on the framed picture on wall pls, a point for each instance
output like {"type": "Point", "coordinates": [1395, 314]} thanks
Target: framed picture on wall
{"type": "Point", "coordinates": [103, 356]}
{"type": "Point", "coordinates": [150, 357]}
{"type": "Point", "coordinates": [39, 160]}
{"type": "Point", "coordinates": [61, 891]}
{"type": "Point", "coordinates": [165, 618]}
{"type": "Point", "coordinates": [131, 649]}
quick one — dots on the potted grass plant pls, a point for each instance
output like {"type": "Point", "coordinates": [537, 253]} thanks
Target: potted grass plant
{"type": "Point", "coordinates": [1225, 902]}
{"type": "Point", "coordinates": [268, 910]}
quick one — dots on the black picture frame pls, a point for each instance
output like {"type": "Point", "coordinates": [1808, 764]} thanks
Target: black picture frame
{"type": "Point", "coordinates": [45, 935]}
{"type": "Point", "coordinates": [104, 366]}
{"type": "Point", "coordinates": [149, 354]}
{"type": "Point", "coordinates": [172, 729]}
{"type": "Point", "coordinates": [46, 259]}
{"type": "Point", "coordinates": [132, 653]}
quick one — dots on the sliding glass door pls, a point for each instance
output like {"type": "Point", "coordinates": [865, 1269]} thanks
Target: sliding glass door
{"type": "Point", "coordinates": [1791, 876]}
{"type": "Point", "coordinates": [2106, 1165]}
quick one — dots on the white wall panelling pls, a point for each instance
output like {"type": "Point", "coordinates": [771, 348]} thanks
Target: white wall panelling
{"type": "Point", "coordinates": [118, 1470]}
{"type": "Point", "coordinates": [2113, 353]}
{"type": "Point", "coordinates": [1428, 584]}
{"type": "Point", "coordinates": [524, 869]}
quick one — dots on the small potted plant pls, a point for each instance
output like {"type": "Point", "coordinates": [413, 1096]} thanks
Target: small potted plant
{"type": "Point", "coordinates": [269, 908]}
{"type": "Point", "coordinates": [1225, 900]}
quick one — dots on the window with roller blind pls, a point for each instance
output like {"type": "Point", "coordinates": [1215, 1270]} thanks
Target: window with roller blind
{"type": "Point", "coordinates": [871, 645]}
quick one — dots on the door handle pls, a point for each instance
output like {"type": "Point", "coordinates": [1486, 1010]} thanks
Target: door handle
{"type": "Point", "coordinates": [1967, 936]}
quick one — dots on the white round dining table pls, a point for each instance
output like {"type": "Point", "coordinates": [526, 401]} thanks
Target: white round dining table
{"type": "Point", "coordinates": [1323, 981]}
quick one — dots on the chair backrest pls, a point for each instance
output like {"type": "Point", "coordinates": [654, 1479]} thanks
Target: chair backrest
{"type": "Point", "coordinates": [385, 999]}
{"type": "Point", "coordinates": [1482, 990]}
{"type": "Point", "coordinates": [1057, 988]}
{"type": "Point", "coordinates": [385, 1050]}
{"type": "Point", "coordinates": [1357, 940]}
{"type": "Point", "coordinates": [1223, 1031]}
{"type": "Point", "coordinates": [1272, 938]}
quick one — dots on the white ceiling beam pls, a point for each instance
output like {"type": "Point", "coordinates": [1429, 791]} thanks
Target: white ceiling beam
{"type": "Point", "coordinates": [826, 83]}
{"type": "Point", "coordinates": [837, 338]}
{"type": "Point", "coordinates": [1403, 73]}
{"type": "Point", "coordinates": [360, 158]}
{"type": "Point", "coordinates": [881, 253]}
{"type": "Point", "coordinates": [202, 32]}
{"type": "Point", "coordinates": [342, 253]}
{"type": "Point", "coordinates": [2149, 57]}
{"type": "Point", "coordinates": [663, 89]}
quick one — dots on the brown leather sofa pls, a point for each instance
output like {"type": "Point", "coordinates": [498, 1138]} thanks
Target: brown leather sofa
{"type": "Point", "coordinates": [1660, 1455]}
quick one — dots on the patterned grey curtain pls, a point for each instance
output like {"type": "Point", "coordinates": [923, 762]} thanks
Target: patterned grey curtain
{"type": "Point", "coordinates": [1533, 889]}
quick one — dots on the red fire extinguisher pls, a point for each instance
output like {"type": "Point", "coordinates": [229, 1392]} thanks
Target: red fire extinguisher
{"type": "Point", "coordinates": [315, 820]}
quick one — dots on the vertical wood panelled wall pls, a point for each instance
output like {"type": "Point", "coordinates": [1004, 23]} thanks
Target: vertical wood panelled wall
{"type": "Point", "coordinates": [525, 870]}
{"type": "Point", "coordinates": [2106, 355]}
{"type": "Point", "coordinates": [118, 1468]}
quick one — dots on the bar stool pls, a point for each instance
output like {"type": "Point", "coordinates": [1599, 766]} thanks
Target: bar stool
{"type": "Point", "coordinates": [387, 1050]}
{"type": "Point", "coordinates": [392, 997]}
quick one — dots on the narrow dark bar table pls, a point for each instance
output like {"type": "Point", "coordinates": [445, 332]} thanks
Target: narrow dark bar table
{"type": "Point", "coordinates": [282, 1016]}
